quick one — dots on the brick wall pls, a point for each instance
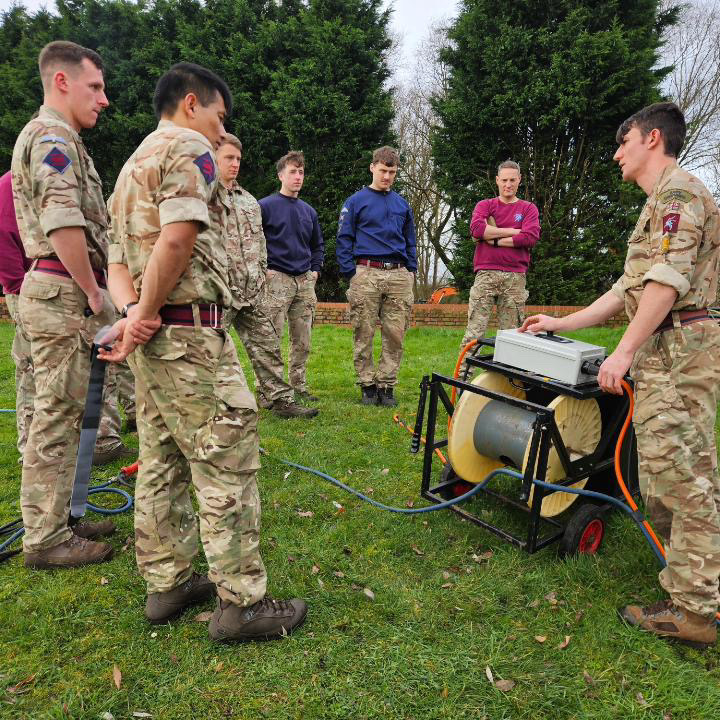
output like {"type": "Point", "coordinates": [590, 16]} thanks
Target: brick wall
{"type": "Point", "coordinates": [333, 313]}
{"type": "Point", "coordinates": [4, 314]}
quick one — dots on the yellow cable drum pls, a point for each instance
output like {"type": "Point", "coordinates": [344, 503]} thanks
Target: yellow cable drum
{"type": "Point", "coordinates": [488, 434]}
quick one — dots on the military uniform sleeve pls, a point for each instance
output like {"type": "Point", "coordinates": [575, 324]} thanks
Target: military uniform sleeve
{"type": "Point", "coordinates": [676, 229]}
{"type": "Point", "coordinates": [187, 183]}
{"type": "Point", "coordinates": [618, 288]}
{"type": "Point", "coordinates": [55, 171]}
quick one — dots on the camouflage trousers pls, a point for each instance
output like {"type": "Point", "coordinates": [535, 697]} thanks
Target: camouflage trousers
{"type": "Point", "coordinates": [262, 344]}
{"type": "Point", "coordinates": [197, 422]}
{"type": "Point", "coordinates": [24, 382]}
{"type": "Point", "coordinates": [506, 290]}
{"type": "Point", "coordinates": [117, 387]}
{"type": "Point", "coordinates": [292, 298]}
{"type": "Point", "coordinates": [385, 295]}
{"type": "Point", "coordinates": [677, 381]}
{"type": "Point", "coordinates": [52, 312]}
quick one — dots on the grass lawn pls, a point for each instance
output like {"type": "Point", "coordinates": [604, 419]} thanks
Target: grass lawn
{"type": "Point", "coordinates": [420, 644]}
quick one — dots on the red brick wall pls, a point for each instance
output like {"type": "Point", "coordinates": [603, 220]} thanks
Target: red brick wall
{"type": "Point", "coordinates": [446, 315]}
{"type": "Point", "coordinates": [4, 314]}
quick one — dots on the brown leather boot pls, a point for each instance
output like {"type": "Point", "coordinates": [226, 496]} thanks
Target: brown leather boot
{"type": "Point", "coordinates": [119, 452]}
{"type": "Point", "coordinates": [162, 607]}
{"type": "Point", "coordinates": [671, 621]}
{"type": "Point", "coordinates": [290, 409]}
{"type": "Point", "coordinates": [74, 552]}
{"type": "Point", "coordinates": [266, 619]}
{"type": "Point", "coordinates": [91, 530]}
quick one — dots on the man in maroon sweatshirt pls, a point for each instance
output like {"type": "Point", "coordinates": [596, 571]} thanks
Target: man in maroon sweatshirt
{"type": "Point", "coordinates": [504, 228]}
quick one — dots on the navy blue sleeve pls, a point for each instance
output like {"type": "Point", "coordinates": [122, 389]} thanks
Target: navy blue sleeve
{"type": "Point", "coordinates": [346, 239]}
{"type": "Point", "coordinates": [410, 241]}
{"type": "Point", "coordinates": [317, 246]}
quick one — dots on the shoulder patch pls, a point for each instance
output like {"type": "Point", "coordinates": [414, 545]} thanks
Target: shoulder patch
{"type": "Point", "coordinates": [207, 166]}
{"type": "Point", "coordinates": [675, 194]}
{"type": "Point", "coordinates": [57, 160]}
{"type": "Point", "coordinates": [670, 223]}
{"type": "Point", "coordinates": [53, 139]}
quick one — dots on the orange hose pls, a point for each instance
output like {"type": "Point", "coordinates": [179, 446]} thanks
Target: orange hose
{"type": "Point", "coordinates": [397, 419]}
{"type": "Point", "coordinates": [458, 365]}
{"type": "Point", "coordinates": [618, 471]}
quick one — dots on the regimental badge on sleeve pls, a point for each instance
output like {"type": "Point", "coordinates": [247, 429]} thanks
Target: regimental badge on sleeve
{"type": "Point", "coordinates": [207, 166]}
{"type": "Point", "coordinates": [57, 160]}
{"type": "Point", "coordinates": [670, 223]}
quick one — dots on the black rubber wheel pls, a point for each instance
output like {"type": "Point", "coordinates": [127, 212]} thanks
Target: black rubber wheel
{"type": "Point", "coordinates": [585, 531]}
{"type": "Point", "coordinates": [459, 488]}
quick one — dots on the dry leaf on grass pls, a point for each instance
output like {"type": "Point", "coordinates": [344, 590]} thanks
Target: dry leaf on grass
{"type": "Point", "coordinates": [589, 679]}
{"type": "Point", "coordinates": [203, 616]}
{"type": "Point", "coordinates": [287, 475]}
{"type": "Point", "coordinates": [128, 543]}
{"type": "Point", "coordinates": [446, 575]}
{"type": "Point", "coordinates": [482, 557]}
{"type": "Point", "coordinates": [534, 604]}
{"type": "Point", "coordinates": [641, 700]}
{"type": "Point", "coordinates": [107, 716]}
{"type": "Point", "coordinates": [337, 505]}
{"type": "Point", "coordinates": [117, 676]}
{"type": "Point", "coordinates": [315, 570]}
{"type": "Point", "coordinates": [417, 550]}
{"type": "Point", "coordinates": [410, 503]}
{"type": "Point", "coordinates": [141, 714]}
{"type": "Point", "coordinates": [489, 675]}
{"type": "Point", "coordinates": [369, 593]}
{"type": "Point", "coordinates": [385, 471]}
{"type": "Point", "coordinates": [445, 692]}
{"type": "Point", "coordinates": [505, 685]}
{"type": "Point", "coordinates": [321, 583]}
{"type": "Point", "coordinates": [338, 573]}
{"type": "Point", "coordinates": [564, 643]}
{"type": "Point", "coordinates": [552, 598]}
{"type": "Point", "coordinates": [305, 513]}
{"type": "Point", "coordinates": [219, 666]}
{"type": "Point", "coordinates": [445, 586]}
{"type": "Point", "coordinates": [23, 686]}
{"type": "Point", "coordinates": [104, 581]}
{"type": "Point", "coordinates": [541, 638]}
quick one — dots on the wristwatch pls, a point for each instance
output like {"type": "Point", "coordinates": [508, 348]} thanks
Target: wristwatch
{"type": "Point", "coordinates": [496, 241]}
{"type": "Point", "coordinates": [125, 308]}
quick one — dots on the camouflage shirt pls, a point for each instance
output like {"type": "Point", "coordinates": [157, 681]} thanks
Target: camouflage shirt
{"type": "Point", "coordinates": [172, 177]}
{"type": "Point", "coordinates": [246, 249]}
{"type": "Point", "coordinates": [55, 185]}
{"type": "Point", "coordinates": [676, 242]}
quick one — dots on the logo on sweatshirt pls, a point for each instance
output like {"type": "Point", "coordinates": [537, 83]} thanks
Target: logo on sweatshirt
{"type": "Point", "coordinates": [518, 217]}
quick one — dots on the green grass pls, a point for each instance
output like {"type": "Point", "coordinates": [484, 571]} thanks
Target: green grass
{"type": "Point", "coordinates": [418, 651]}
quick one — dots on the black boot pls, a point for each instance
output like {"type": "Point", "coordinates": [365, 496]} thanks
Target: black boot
{"type": "Point", "coordinates": [386, 398]}
{"type": "Point", "coordinates": [369, 395]}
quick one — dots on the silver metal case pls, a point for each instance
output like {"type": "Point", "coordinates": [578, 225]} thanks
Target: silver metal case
{"type": "Point", "coordinates": [551, 356]}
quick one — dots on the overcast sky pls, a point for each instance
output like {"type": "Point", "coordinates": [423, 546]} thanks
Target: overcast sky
{"type": "Point", "coordinates": [410, 20]}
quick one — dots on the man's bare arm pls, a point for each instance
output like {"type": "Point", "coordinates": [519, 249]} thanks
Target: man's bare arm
{"type": "Point", "coordinates": [120, 285]}
{"type": "Point", "coordinates": [603, 308]}
{"type": "Point", "coordinates": [71, 248]}
{"type": "Point", "coordinates": [655, 303]}
{"type": "Point", "coordinates": [168, 261]}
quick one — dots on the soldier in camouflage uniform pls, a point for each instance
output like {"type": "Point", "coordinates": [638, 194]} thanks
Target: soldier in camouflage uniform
{"type": "Point", "coordinates": [248, 265]}
{"type": "Point", "coordinates": [376, 251]}
{"type": "Point", "coordinates": [197, 417]}
{"type": "Point", "coordinates": [62, 221]}
{"type": "Point", "coordinates": [673, 348]}
{"type": "Point", "coordinates": [505, 229]}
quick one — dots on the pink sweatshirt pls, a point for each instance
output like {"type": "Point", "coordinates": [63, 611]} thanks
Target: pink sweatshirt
{"type": "Point", "coordinates": [522, 215]}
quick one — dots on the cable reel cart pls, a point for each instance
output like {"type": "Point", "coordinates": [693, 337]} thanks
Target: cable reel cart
{"type": "Point", "coordinates": [533, 412]}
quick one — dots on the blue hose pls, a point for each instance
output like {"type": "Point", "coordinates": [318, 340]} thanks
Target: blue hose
{"type": "Point", "coordinates": [405, 511]}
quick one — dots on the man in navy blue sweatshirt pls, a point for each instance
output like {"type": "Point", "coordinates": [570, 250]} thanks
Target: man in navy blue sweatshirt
{"type": "Point", "coordinates": [295, 253]}
{"type": "Point", "coordinates": [376, 251]}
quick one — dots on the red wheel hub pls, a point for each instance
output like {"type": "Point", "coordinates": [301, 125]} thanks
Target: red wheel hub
{"type": "Point", "coordinates": [460, 488]}
{"type": "Point", "coordinates": [592, 537]}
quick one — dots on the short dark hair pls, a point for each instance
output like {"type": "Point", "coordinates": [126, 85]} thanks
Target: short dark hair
{"type": "Point", "coordinates": [663, 116]}
{"type": "Point", "coordinates": [294, 157]}
{"type": "Point", "coordinates": [386, 155]}
{"type": "Point", "coordinates": [63, 53]}
{"type": "Point", "coordinates": [184, 78]}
